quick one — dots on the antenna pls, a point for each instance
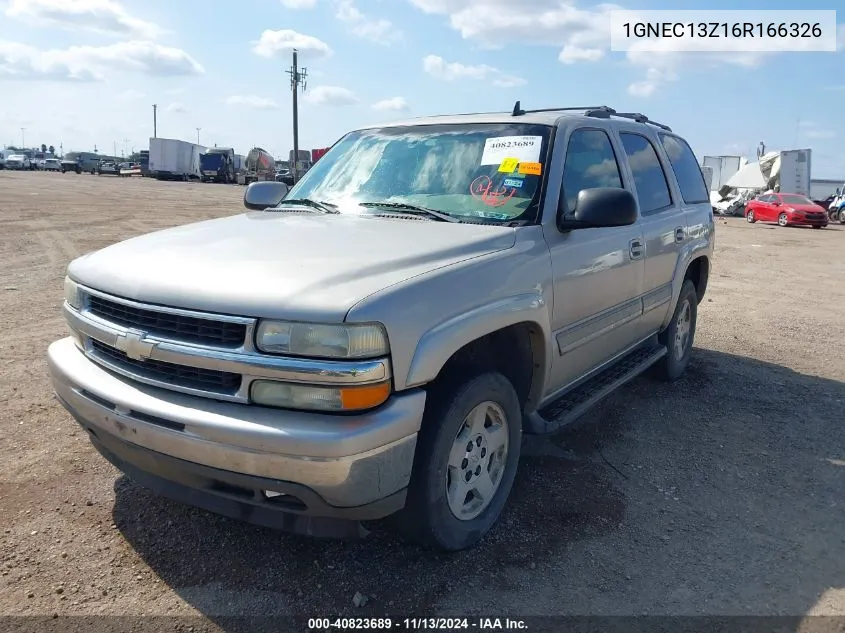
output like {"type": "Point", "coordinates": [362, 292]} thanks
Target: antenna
{"type": "Point", "coordinates": [517, 109]}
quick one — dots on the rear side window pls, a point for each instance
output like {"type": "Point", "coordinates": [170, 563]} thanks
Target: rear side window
{"type": "Point", "coordinates": [590, 163]}
{"type": "Point", "coordinates": [649, 178]}
{"type": "Point", "coordinates": [686, 168]}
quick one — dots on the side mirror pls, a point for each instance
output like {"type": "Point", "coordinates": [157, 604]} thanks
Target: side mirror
{"type": "Point", "coordinates": [777, 203]}
{"type": "Point", "coordinates": [600, 207]}
{"type": "Point", "coordinates": [262, 195]}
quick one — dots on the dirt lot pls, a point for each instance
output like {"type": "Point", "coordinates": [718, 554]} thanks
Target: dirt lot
{"type": "Point", "coordinates": [721, 494]}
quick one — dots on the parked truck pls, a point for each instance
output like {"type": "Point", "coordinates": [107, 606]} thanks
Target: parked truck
{"type": "Point", "coordinates": [318, 366]}
{"type": "Point", "coordinates": [172, 159]}
{"type": "Point", "coordinates": [218, 165]}
{"type": "Point", "coordinates": [794, 174]}
{"type": "Point", "coordinates": [240, 162]}
{"type": "Point", "coordinates": [836, 210]}
{"type": "Point", "coordinates": [259, 166]}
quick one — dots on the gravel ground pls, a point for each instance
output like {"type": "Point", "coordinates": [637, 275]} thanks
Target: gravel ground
{"type": "Point", "coordinates": [718, 495]}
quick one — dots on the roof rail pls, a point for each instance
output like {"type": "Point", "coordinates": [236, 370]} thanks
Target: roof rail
{"type": "Point", "coordinates": [599, 112]}
{"type": "Point", "coordinates": [634, 116]}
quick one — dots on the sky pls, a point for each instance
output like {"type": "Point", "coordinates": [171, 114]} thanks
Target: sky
{"type": "Point", "coordinates": [80, 74]}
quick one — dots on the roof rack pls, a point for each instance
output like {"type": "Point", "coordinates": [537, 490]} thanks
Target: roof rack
{"type": "Point", "coordinates": [599, 112]}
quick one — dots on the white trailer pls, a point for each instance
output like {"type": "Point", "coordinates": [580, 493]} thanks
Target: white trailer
{"type": "Point", "coordinates": [172, 159]}
{"type": "Point", "coordinates": [240, 159]}
{"type": "Point", "coordinates": [795, 171]}
{"type": "Point", "coordinates": [724, 167]}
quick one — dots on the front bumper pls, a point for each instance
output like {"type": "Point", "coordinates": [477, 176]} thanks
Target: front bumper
{"type": "Point", "coordinates": [223, 456]}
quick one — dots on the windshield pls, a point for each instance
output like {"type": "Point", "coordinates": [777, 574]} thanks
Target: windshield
{"type": "Point", "coordinates": [790, 199]}
{"type": "Point", "coordinates": [470, 171]}
{"type": "Point", "coordinates": [211, 161]}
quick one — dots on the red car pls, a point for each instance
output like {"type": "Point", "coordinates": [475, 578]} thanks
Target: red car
{"type": "Point", "coordinates": [787, 209]}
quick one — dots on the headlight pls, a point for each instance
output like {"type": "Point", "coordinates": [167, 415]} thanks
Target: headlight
{"type": "Point", "coordinates": [342, 341]}
{"type": "Point", "coordinates": [72, 294]}
{"type": "Point", "coordinates": [319, 398]}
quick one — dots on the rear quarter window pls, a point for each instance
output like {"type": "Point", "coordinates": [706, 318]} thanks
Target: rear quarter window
{"type": "Point", "coordinates": [686, 168]}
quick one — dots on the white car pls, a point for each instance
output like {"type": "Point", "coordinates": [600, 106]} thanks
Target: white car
{"type": "Point", "coordinates": [52, 164]}
{"type": "Point", "coordinates": [18, 161]}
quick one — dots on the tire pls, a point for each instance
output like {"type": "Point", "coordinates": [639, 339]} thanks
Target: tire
{"type": "Point", "coordinates": [842, 216]}
{"type": "Point", "coordinates": [750, 217]}
{"type": "Point", "coordinates": [816, 226]}
{"type": "Point", "coordinates": [428, 517]}
{"type": "Point", "coordinates": [678, 338]}
{"type": "Point", "coordinates": [783, 220]}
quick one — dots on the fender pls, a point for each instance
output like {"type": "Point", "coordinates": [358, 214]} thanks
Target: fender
{"type": "Point", "coordinates": [438, 344]}
{"type": "Point", "coordinates": [702, 246]}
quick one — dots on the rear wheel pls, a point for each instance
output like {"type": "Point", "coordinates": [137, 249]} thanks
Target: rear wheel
{"type": "Point", "coordinates": [817, 226]}
{"type": "Point", "coordinates": [466, 459]}
{"type": "Point", "coordinates": [783, 219]}
{"type": "Point", "coordinates": [750, 217]}
{"type": "Point", "coordinates": [679, 335]}
{"type": "Point", "coordinates": [842, 216]}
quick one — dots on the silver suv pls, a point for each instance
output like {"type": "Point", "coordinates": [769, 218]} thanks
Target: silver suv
{"type": "Point", "coordinates": [376, 340]}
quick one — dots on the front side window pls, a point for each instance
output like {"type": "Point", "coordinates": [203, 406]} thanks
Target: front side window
{"type": "Point", "coordinates": [649, 179]}
{"type": "Point", "coordinates": [590, 163]}
{"type": "Point", "coordinates": [488, 172]}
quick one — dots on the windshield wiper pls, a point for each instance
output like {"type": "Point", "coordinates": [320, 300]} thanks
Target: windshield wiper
{"type": "Point", "coordinates": [325, 207]}
{"type": "Point", "coordinates": [411, 209]}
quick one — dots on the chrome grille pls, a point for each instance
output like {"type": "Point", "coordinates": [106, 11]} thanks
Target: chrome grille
{"type": "Point", "coordinates": [189, 329]}
{"type": "Point", "coordinates": [208, 380]}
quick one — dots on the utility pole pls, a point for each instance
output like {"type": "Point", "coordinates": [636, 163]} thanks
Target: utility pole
{"type": "Point", "coordinates": [297, 79]}
{"type": "Point", "coordinates": [155, 131]}
{"type": "Point", "coordinates": [23, 138]}
{"type": "Point", "coordinates": [198, 135]}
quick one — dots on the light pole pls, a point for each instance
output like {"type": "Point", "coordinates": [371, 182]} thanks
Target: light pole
{"type": "Point", "coordinates": [23, 138]}
{"type": "Point", "coordinates": [198, 135]}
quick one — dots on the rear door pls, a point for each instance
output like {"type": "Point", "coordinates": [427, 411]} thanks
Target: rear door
{"type": "Point", "coordinates": [663, 225]}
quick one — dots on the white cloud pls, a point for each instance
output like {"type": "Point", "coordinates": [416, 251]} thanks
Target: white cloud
{"type": "Point", "coordinates": [815, 131]}
{"type": "Point", "coordinates": [101, 16]}
{"type": "Point", "coordinates": [92, 63]}
{"type": "Point", "coordinates": [583, 36]}
{"type": "Point", "coordinates": [379, 30]}
{"type": "Point", "coordinates": [131, 95]}
{"type": "Point", "coordinates": [495, 23]}
{"type": "Point", "coordinates": [394, 104]}
{"type": "Point", "coordinates": [299, 4]}
{"type": "Point", "coordinates": [271, 43]}
{"type": "Point", "coordinates": [176, 108]}
{"type": "Point", "coordinates": [455, 71]}
{"type": "Point", "coordinates": [252, 101]}
{"type": "Point", "coordinates": [330, 95]}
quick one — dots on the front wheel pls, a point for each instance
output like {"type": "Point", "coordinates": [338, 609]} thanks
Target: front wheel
{"type": "Point", "coordinates": [750, 216]}
{"type": "Point", "coordinates": [842, 216]}
{"type": "Point", "coordinates": [466, 459]}
{"type": "Point", "coordinates": [783, 220]}
{"type": "Point", "coordinates": [678, 336]}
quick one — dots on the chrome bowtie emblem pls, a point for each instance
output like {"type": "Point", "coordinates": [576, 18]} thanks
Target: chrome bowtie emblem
{"type": "Point", "coordinates": [135, 345]}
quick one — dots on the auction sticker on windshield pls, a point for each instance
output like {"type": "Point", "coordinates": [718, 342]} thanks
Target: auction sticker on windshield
{"type": "Point", "coordinates": [525, 149]}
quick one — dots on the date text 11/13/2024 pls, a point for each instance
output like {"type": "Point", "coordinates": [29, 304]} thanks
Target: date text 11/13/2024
{"type": "Point", "coordinates": [416, 624]}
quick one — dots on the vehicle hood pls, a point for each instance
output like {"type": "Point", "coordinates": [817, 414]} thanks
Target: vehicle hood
{"type": "Point", "coordinates": [281, 265]}
{"type": "Point", "coordinates": [805, 208]}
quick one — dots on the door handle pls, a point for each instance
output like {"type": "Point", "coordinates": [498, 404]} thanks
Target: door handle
{"type": "Point", "coordinates": [635, 249]}
{"type": "Point", "coordinates": [680, 234]}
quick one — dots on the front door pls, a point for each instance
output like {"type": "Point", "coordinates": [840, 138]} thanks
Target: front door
{"type": "Point", "coordinates": [598, 273]}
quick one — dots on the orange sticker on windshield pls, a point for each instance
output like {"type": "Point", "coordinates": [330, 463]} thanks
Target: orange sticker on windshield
{"type": "Point", "coordinates": [508, 165]}
{"type": "Point", "coordinates": [530, 169]}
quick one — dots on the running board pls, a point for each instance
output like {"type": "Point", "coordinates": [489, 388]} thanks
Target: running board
{"type": "Point", "coordinates": [572, 405]}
